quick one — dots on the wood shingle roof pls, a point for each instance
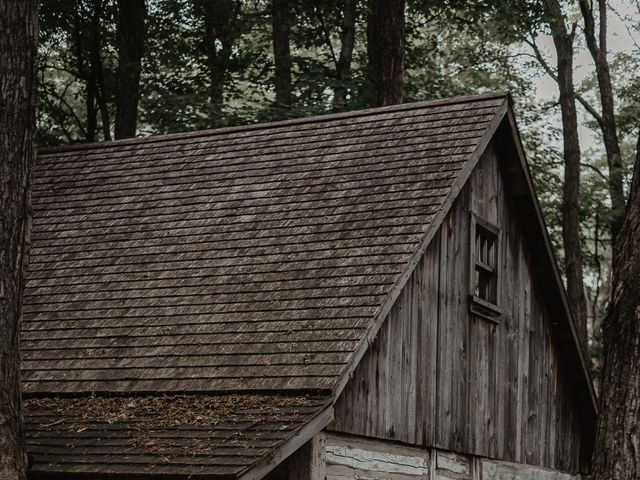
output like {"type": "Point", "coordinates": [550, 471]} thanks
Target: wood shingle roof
{"type": "Point", "coordinates": [249, 258]}
{"type": "Point", "coordinates": [195, 436]}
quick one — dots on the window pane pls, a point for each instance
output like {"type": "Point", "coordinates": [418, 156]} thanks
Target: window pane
{"type": "Point", "coordinates": [486, 282]}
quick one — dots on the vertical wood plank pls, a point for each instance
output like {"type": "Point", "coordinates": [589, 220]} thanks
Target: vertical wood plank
{"type": "Point", "coordinates": [534, 384]}
{"type": "Point", "coordinates": [453, 328]}
{"type": "Point", "coordinates": [524, 338]}
{"type": "Point", "coordinates": [512, 299]}
{"type": "Point", "coordinates": [428, 358]}
{"type": "Point", "coordinates": [502, 402]}
{"type": "Point", "coordinates": [436, 376]}
{"type": "Point", "coordinates": [445, 343]}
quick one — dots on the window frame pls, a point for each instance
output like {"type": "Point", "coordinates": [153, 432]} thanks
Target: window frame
{"type": "Point", "coordinates": [478, 305]}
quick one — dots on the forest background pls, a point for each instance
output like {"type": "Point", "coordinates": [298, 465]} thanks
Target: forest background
{"type": "Point", "coordinates": [118, 68]}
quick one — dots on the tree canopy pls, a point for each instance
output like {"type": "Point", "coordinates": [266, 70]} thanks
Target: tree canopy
{"type": "Point", "coordinates": [212, 63]}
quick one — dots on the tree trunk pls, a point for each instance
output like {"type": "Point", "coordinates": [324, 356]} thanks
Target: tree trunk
{"type": "Point", "coordinates": [131, 37]}
{"type": "Point", "coordinates": [282, 53]}
{"type": "Point", "coordinates": [217, 69]}
{"type": "Point", "coordinates": [221, 30]}
{"type": "Point", "coordinates": [385, 51]}
{"type": "Point", "coordinates": [598, 50]}
{"type": "Point", "coordinates": [96, 70]}
{"type": "Point", "coordinates": [18, 47]}
{"type": "Point", "coordinates": [90, 95]}
{"type": "Point", "coordinates": [563, 42]}
{"type": "Point", "coordinates": [617, 448]}
{"type": "Point", "coordinates": [347, 42]}
{"type": "Point", "coordinates": [571, 189]}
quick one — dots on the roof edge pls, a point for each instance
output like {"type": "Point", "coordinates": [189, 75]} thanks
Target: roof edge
{"type": "Point", "coordinates": [289, 392]}
{"type": "Point", "coordinates": [551, 257]}
{"type": "Point", "coordinates": [258, 470]}
{"type": "Point", "coordinates": [258, 126]}
{"type": "Point", "coordinates": [575, 357]}
{"type": "Point", "coordinates": [393, 295]}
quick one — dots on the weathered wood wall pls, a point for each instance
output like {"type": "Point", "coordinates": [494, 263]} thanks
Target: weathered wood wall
{"type": "Point", "coordinates": [439, 376]}
{"type": "Point", "coordinates": [337, 457]}
{"type": "Point", "coordinates": [347, 458]}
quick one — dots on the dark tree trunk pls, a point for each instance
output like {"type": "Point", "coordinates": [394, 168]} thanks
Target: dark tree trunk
{"type": "Point", "coordinates": [385, 51]}
{"type": "Point", "coordinates": [281, 53]}
{"type": "Point", "coordinates": [131, 37]}
{"type": "Point", "coordinates": [96, 70]}
{"type": "Point", "coordinates": [217, 68]}
{"type": "Point", "coordinates": [617, 449]}
{"type": "Point", "coordinates": [90, 70]}
{"type": "Point", "coordinates": [343, 67]}
{"type": "Point", "coordinates": [571, 189]}
{"type": "Point", "coordinates": [563, 41]}
{"type": "Point", "coordinates": [598, 50]}
{"type": "Point", "coordinates": [90, 88]}
{"type": "Point", "coordinates": [221, 30]}
{"type": "Point", "coordinates": [18, 42]}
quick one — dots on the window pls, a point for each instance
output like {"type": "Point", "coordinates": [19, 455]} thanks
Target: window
{"type": "Point", "coordinates": [484, 269]}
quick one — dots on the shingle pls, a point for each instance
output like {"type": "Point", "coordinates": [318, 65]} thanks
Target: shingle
{"type": "Point", "coordinates": [235, 259]}
{"type": "Point", "coordinates": [216, 437]}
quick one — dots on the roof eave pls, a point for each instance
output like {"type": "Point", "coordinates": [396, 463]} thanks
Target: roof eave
{"type": "Point", "coordinates": [306, 433]}
{"type": "Point", "coordinates": [552, 259]}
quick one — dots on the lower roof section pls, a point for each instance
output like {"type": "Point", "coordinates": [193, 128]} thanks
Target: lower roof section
{"type": "Point", "coordinates": [194, 436]}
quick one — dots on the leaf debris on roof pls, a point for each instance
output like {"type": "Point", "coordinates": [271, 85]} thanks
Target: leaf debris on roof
{"type": "Point", "coordinates": [221, 434]}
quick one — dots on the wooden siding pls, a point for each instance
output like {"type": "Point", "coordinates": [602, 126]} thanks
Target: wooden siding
{"type": "Point", "coordinates": [339, 457]}
{"type": "Point", "coordinates": [347, 458]}
{"type": "Point", "coordinates": [439, 376]}
{"type": "Point", "coordinates": [508, 471]}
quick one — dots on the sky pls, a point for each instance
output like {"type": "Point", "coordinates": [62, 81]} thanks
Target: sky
{"type": "Point", "coordinates": [623, 16]}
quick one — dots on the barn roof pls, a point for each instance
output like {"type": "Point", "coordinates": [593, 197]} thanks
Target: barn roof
{"type": "Point", "coordinates": [251, 258]}
{"type": "Point", "coordinates": [248, 259]}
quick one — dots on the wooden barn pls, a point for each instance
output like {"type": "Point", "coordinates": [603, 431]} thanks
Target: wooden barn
{"type": "Point", "coordinates": [367, 295]}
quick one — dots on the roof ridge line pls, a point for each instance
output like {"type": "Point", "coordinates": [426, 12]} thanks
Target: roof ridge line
{"type": "Point", "coordinates": [278, 123]}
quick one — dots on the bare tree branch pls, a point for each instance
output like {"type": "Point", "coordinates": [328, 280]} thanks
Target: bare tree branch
{"type": "Point", "coordinates": [325, 32]}
{"type": "Point", "coordinates": [64, 102]}
{"type": "Point", "coordinates": [547, 68]}
{"type": "Point", "coordinates": [596, 170]}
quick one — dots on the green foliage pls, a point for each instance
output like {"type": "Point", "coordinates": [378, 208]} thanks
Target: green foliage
{"type": "Point", "coordinates": [445, 59]}
{"type": "Point", "coordinates": [209, 63]}
{"type": "Point", "coordinates": [68, 29]}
